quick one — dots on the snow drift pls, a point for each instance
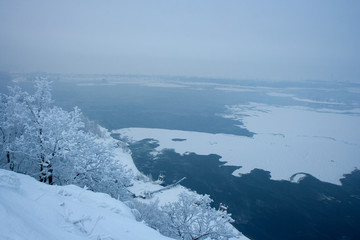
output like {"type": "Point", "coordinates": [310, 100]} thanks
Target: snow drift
{"type": "Point", "coordinates": [33, 211]}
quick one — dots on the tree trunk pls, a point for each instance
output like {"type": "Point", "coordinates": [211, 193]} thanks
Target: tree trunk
{"type": "Point", "coordinates": [11, 164]}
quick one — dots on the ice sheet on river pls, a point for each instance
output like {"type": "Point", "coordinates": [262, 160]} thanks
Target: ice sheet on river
{"type": "Point", "coordinates": [288, 140]}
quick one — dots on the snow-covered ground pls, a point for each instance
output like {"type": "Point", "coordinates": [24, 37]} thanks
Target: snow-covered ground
{"type": "Point", "coordinates": [34, 211]}
{"type": "Point", "coordinates": [288, 140]}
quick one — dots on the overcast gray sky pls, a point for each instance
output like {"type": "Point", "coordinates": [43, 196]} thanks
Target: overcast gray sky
{"type": "Point", "coordinates": [277, 40]}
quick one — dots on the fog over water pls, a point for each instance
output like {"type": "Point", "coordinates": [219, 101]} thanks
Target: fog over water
{"type": "Point", "coordinates": [277, 40]}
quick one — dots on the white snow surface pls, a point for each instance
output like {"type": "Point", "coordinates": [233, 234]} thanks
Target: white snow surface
{"type": "Point", "coordinates": [288, 140]}
{"type": "Point", "coordinates": [164, 197]}
{"type": "Point", "coordinates": [34, 211]}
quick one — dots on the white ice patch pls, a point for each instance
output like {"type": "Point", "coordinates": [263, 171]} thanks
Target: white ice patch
{"type": "Point", "coordinates": [279, 94]}
{"type": "Point", "coordinates": [316, 101]}
{"type": "Point", "coordinates": [288, 140]}
{"type": "Point", "coordinates": [298, 177]}
{"type": "Point", "coordinates": [293, 97]}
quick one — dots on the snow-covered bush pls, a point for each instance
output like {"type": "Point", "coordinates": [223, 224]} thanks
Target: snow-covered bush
{"type": "Point", "coordinates": [192, 217]}
{"type": "Point", "coordinates": [189, 218]}
{"type": "Point", "coordinates": [151, 214]}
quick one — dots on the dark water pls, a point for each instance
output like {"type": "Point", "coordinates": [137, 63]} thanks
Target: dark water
{"type": "Point", "coordinates": [126, 105]}
{"type": "Point", "coordinates": [263, 208]}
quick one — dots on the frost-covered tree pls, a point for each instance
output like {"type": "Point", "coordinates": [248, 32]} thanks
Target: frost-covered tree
{"type": "Point", "coordinates": [47, 135]}
{"type": "Point", "coordinates": [13, 120]}
{"type": "Point", "coordinates": [54, 146]}
{"type": "Point", "coordinates": [192, 218]}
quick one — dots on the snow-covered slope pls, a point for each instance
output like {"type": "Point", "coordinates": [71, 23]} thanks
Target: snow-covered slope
{"type": "Point", "coordinates": [33, 211]}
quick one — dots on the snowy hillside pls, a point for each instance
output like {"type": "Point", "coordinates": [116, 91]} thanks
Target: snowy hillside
{"type": "Point", "coordinates": [75, 152]}
{"type": "Point", "coordinates": [33, 211]}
